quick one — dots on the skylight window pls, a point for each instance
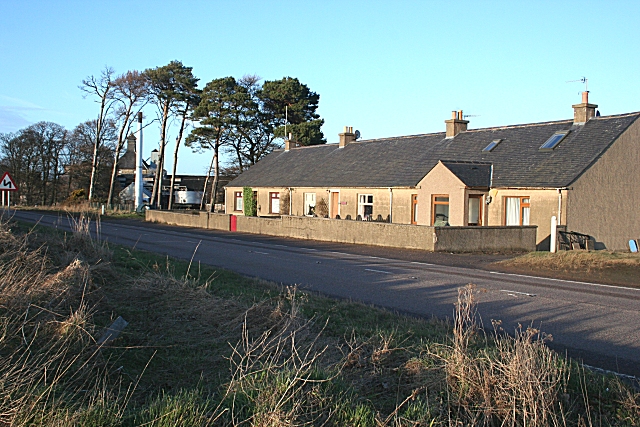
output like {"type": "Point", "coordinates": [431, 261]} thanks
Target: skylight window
{"type": "Point", "coordinates": [553, 142]}
{"type": "Point", "coordinates": [492, 145]}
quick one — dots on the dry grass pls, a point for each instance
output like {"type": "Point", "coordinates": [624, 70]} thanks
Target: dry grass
{"type": "Point", "coordinates": [575, 260]}
{"type": "Point", "coordinates": [192, 356]}
{"type": "Point", "coordinates": [615, 268]}
{"type": "Point", "coordinates": [516, 382]}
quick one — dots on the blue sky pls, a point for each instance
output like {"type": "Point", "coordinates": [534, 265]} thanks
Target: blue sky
{"type": "Point", "coordinates": [385, 68]}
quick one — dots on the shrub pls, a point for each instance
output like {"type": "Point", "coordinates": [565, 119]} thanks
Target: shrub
{"type": "Point", "coordinates": [322, 209]}
{"type": "Point", "coordinates": [249, 202]}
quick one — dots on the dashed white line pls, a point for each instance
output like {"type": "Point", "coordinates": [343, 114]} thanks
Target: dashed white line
{"type": "Point", "coordinates": [516, 292]}
{"type": "Point", "coordinates": [378, 271]}
{"type": "Point", "coordinates": [566, 281]}
{"type": "Point", "coordinates": [258, 252]}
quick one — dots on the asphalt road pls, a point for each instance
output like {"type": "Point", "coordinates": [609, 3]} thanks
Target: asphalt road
{"type": "Point", "coordinates": [597, 323]}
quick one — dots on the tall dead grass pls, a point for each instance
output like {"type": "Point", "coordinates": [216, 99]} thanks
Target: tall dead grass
{"type": "Point", "coordinates": [514, 382]}
{"type": "Point", "coordinates": [50, 366]}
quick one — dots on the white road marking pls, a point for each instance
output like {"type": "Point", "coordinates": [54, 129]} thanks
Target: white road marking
{"type": "Point", "coordinates": [377, 271]}
{"type": "Point", "coordinates": [566, 281]}
{"type": "Point", "coordinates": [258, 252]}
{"type": "Point", "coordinates": [516, 292]}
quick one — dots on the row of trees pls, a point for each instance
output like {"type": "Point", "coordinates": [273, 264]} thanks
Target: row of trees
{"type": "Point", "coordinates": [49, 163]}
{"type": "Point", "coordinates": [242, 118]}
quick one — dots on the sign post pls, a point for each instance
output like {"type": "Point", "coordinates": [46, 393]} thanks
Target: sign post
{"type": "Point", "coordinates": [7, 184]}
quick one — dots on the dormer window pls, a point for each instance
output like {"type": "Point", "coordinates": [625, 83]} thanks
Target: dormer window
{"type": "Point", "coordinates": [491, 145]}
{"type": "Point", "coordinates": [553, 142]}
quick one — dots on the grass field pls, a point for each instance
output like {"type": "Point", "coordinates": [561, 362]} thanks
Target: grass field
{"type": "Point", "coordinates": [210, 347]}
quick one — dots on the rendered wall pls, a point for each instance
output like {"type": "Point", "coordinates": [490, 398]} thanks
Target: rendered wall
{"type": "Point", "coordinates": [452, 239]}
{"type": "Point", "coordinates": [605, 201]}
{"type": "Point", "coordinates": [544, 205]}
{"type": "Point", "coordinates": [184, 219]}
{"type": "Point", "coordinates": [441, 181]}
{"type": "Point", "coordinates": [348, 201]}
{"type": "Point", "coordinates": [485, 239]}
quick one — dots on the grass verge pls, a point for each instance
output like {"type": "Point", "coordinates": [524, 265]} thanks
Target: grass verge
{"type": "Point", "coordinates": [615, 268]}
{"type": "Point", "coordinates": [210, 347]}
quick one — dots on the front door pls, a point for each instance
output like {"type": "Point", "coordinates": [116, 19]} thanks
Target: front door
{"type": "Point", "coordinates": [335, 204]}
{"type": "Point", "coordinates": [414, 209]}
{"type": "Point", "coordinates": [475, 210]}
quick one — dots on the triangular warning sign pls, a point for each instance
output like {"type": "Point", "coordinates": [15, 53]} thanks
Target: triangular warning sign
{"type": "Point", "coordinates": [7, 183]}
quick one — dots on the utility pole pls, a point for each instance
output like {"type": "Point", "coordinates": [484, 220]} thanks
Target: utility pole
{"type": "Point", "coordinates": [138, 177]}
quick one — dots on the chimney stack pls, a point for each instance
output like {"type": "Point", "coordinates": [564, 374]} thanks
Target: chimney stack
{"type": "Point", "coordinates": [131, 144]}
{"type": "Point", "coordinates": [347, 136]}
{"type": "Point", "coordinates": [584, 111]}
{"type": "Point", "coordinates": [456, 124]}
{"type": "Point", "coordinates": [289, 143]}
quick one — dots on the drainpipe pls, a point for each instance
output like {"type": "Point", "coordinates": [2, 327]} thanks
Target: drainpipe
{"type": "Point", "coordinates": [290, 201]}
{"type": "Point", "coordinates": [559, 205]}
{"type": "Point", "coordinates": [390, 205]}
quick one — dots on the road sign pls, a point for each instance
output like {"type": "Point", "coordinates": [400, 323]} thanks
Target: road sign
{"type": "Point", "coordinates": [7, 183]}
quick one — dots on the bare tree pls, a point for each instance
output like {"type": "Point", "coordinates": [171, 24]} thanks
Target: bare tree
{"type": "Point", "coordinates": [131, 92]}
{"type": "Point", "coordinates": [85, 164]}
{"type": "Point", "coordinates": [102, 88]}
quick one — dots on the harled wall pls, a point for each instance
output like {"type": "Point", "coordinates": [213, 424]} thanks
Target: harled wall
{"type": "Point", "coordinates": [605, 201]}
{"type": "Point", "coordinates": [451, 239]}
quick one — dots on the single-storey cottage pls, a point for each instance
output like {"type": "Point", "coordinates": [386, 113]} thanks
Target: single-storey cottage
{"type": "Point", "coordinates": [584, 171]}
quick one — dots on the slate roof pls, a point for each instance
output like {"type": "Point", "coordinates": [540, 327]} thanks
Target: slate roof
{"type": "Point", "coordinates": [472, 174]}
{"type": "Point", "coordinates": [404, 161]}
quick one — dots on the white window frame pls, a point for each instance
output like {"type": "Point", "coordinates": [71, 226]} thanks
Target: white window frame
{"type": "Point", "coordinates": [238, 202]}
{"type": "Point", "coordinates": [363, 202]}
{"type": "Point", "coordinates": [306, 205]}
{"type": "Point", "coordinates": [274, 209]}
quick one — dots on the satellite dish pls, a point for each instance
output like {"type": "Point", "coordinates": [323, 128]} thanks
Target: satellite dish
{"type": "Point", "coordinates": [357, 134]}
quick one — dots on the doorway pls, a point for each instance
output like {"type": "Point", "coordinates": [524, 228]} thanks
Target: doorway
{"type": "Point", "coordinates": [475, 210]}
{"type": "Point", "coordinates": [414, 209]}
{"type": "Point", "coordinates": [335, 204]}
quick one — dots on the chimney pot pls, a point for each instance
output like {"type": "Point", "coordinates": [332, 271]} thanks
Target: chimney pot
{"type": "Point", "coordinates": [585, 97]}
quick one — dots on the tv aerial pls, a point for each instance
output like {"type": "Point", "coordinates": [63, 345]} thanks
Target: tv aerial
{"type": "Point", "coordinates": [470, 115]}
{"type": "Point", "coordinates": [582, 80]}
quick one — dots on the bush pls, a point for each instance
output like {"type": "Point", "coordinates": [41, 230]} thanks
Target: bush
{"type": "Point", "coordinates": [322, 209]}
{"type": "Point", "coordinates": [249, 202]}
{"type": "Point", "coordinates": [76, 197]}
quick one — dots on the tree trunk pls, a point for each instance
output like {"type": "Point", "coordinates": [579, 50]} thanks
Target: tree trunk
{"type": "Point", "coordinates": [216, 174]}
{"type": "Point", "coordinates": [117, 156]}
{"type": "Point", "coordinates": [157, 182]}
{"type": "Point", "coordinates": [113, 178]}
{"type": "Point", "coordinates": [175, 155]}
{"type": "Point", "coordinates": [206, 183]}
{"type": "Point", "coordinates": [96, 146]}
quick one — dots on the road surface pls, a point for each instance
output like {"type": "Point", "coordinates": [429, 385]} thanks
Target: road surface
{"type": "Point", "coordinates": [597, 323]}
